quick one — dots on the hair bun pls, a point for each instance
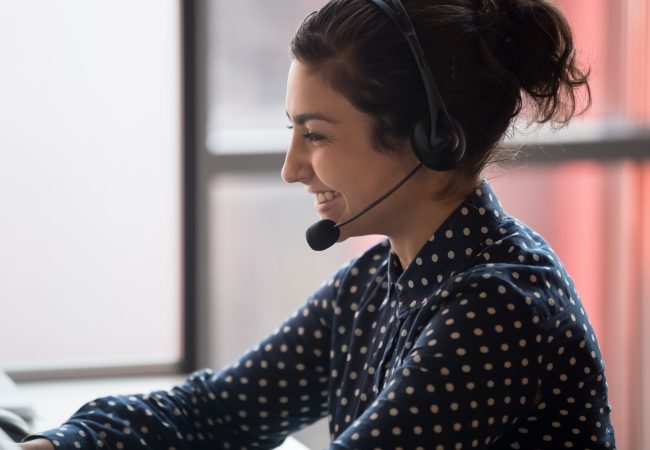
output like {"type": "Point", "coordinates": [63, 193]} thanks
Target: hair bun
{"type": "Point", "coordinates": [539, 51]}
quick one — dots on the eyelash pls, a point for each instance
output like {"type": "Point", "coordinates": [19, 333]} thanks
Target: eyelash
{"type": "Point", "coordinates": [313, 137]}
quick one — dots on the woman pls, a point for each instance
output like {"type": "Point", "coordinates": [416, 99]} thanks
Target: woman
{"type": "Point", "coordinates": [462, 329]}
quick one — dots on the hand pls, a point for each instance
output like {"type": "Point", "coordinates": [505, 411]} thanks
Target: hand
{"type": "Point", "coordinates": [37, 444]}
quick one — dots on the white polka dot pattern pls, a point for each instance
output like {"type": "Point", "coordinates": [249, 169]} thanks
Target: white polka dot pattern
{"type": "Point", "coordinates": [482, 342]}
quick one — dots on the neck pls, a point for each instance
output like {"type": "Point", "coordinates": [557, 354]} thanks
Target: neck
{"type": "Point", "coordinates": [423, 219]}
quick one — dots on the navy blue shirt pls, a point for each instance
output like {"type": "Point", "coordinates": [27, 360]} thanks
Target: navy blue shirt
{"type": "Point", "coordinates": [482, 342]}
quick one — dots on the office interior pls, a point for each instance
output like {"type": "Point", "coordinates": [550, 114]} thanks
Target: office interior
{"type": "Point", "coordinates": [145, 230]}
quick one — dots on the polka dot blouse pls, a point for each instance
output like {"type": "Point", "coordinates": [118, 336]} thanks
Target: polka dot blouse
{"type": "Point", "coordinates": [482, 342]}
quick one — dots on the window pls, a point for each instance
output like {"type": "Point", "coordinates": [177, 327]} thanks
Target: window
{"type": "Point", "coordinates": [90, 185]}
{"type": "Point", "coordinates": [247, 72]}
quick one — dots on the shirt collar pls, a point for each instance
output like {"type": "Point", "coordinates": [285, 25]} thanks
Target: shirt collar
{"type": "Point", "coordinates": [460, 238]}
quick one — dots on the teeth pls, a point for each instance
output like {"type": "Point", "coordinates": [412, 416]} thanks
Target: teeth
{"type": "Point", "coordinates": [322, 197]}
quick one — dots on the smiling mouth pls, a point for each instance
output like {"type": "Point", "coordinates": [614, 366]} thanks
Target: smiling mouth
{"type": "Point", "coordinates": [322, 197]}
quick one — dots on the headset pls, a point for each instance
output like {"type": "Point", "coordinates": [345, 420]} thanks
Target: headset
{"type": "Point", "coordinates": [438, 143]}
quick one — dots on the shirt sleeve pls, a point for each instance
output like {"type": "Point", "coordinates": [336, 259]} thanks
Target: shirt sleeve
{"type": "Point", "coordinates": [466, 381]}
{"type": "Point", "coordinates": [276, 388]}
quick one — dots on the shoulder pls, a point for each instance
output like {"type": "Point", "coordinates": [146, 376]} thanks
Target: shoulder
{"type": "Point", "coordinates": [517, 269]}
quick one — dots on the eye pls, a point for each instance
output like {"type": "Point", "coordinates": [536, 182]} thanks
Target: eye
{"type": "Point", "coordinates": [313, 137]}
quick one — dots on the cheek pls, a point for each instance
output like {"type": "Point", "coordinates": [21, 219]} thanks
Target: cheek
{"type": "Point", "coordinates": [352, 173]}
{"type": "Point", "coordinates": [339, 172]}
{"type": "Point", "coordinates": [359, 173]}
{"type": "Point", "coordinates": [331, 169]}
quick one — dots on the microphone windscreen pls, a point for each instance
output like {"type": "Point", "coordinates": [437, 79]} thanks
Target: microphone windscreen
{"type": "Point", "coordinates": [322, 235]}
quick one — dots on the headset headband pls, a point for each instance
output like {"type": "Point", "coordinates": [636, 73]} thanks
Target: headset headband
{"type": "Point", "coordinates": [443, 152]}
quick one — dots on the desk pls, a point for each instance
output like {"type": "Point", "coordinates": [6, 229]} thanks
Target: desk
{"type": "Point", "coordinates": [55, 401]}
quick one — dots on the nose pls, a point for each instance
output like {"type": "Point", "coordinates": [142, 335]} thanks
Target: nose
{"type": "Point", "coordinates": [297, 164]}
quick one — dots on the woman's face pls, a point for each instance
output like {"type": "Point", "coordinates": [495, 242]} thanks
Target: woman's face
{"type": "Point", "coordinates": [331, 153]}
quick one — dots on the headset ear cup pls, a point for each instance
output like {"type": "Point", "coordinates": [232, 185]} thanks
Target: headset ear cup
{"type": "Point", "coordinates": [447, 151]}
{"type": "Point", "coordinates": [453, 149]}
{"type": "Point", "coordinates": [462, 142]}
{"type": "Point", "coordinates": [421, 144]}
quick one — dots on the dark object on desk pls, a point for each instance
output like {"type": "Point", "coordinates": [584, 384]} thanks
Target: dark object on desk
{"type": "Point", "coordinates": [14, 426]}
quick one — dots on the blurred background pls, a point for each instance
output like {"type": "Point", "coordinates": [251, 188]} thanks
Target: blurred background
{"type": "Point", "coordinates": [144, 228]}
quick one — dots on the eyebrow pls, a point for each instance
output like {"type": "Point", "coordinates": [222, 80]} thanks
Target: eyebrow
{"type": "Point", "coordinates": [301, 119]}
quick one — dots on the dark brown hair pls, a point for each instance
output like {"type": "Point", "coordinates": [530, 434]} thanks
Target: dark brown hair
{"type": "Point", "coordinates": [490, 59]}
